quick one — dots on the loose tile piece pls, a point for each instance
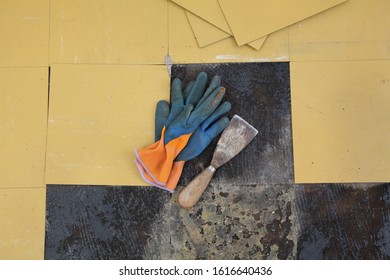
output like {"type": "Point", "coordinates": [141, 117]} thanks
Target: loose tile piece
{"type": "Point", "coordinates": [24, 33]}
{"type": "Point", "coordinates": [340, 122]}
{"type": "Point", "coordinates": [252, 19]}
{"type": "Point", "coordinates": [355, 30]}
{"type": "Point", "coordinates": [183, 47]}
{"type": "Point", "coordinates": [339, 222]}
{"type": "Point", "coordinates": [209, 10]}
{"type": "Point", "coordinates": [108, 32]}
{"type": "Point", "coordinates": [209, 24]}
{"type": "Point", "coordinates": [258, 44]}
{"type": "Point", "coordinates": [22, 227]}
{"type": "Point", "coordinates": [98, 116]}
{"type": "Point", "coordinates": [204, 32]}
{"type": "Point", "coordinates": [23, 123]}
{"type": "Point", "coordinates": [260, 94]}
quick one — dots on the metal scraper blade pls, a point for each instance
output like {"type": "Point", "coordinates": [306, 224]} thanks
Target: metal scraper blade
{"type": "Point", "coordinates": [233, 140]}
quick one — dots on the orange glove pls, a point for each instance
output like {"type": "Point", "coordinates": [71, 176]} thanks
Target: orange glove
{"type": "Point", "coordinates": [155, 162]}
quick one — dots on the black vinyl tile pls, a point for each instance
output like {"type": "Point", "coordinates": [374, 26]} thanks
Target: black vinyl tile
{"type": "Point", "coordinates": [100, 222]}
{"type": "Point", "coordinates": [260, 94]}
{"type": "Point", "coordinates": [343, 221]}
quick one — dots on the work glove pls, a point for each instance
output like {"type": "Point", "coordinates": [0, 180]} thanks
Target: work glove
{"type": "Point", "coordinates": [155, 162]}
{"type": "Point", "coordinates": [199, 140]}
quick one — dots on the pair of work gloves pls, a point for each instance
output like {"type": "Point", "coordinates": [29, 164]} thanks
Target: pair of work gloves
{"type": "Point", "coordinates": [183, 130]}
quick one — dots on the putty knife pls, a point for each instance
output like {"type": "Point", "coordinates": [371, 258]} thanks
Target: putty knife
{"type": "Point", "coordinates": [233, 140]}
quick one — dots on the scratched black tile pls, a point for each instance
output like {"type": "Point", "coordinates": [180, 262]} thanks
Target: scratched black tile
{"type": "Point", "coordinates": [260, 94]}
{"type": "Point", "coordinates": [227, 223]}
{"type": "Point", "coordinates": [343, 221]}
{"type": "Point", "coordinates": [100, 222]}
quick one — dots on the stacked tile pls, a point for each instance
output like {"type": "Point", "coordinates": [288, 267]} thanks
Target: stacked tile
{"type": "Point", "coordinates": [250, 22]}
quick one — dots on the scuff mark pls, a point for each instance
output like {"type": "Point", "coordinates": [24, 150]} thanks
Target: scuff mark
{"type": "Point", "coordinates": [284, 57]}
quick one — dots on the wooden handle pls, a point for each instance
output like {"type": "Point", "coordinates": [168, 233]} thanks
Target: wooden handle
{"type": "Point", "coordinates": [191, 194]}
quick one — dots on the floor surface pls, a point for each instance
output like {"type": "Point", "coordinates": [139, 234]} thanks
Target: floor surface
{"type": "Point", "coordinates": [316, 90]}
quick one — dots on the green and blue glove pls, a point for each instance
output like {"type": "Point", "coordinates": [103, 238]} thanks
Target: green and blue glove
{"type": "Point", "coordinates": [161, 163]}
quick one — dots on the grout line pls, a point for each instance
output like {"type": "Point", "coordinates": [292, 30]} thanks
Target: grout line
{"type": "Point", "coordinates": [288, 44]}
{"type": "Point", "coordinates": [23, 188]}
{"type": "Point", "coordinates": [47, 122]}
{"type": "Point", "coordinates": [107, 64]}
{"type": "Point", "coordinates": [198, 62]}
{"type": "Point", "coordinates": [339, 60]}
{"type": "Point", "coordinates": [21, 66]}
{"type": "Point", "coordinates": [49, 47]}
{"type": "Point", "coordinates": [168, 23]}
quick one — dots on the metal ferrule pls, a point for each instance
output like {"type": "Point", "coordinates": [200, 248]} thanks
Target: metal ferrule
{"type": "Point", "coordinates": [212, 169]}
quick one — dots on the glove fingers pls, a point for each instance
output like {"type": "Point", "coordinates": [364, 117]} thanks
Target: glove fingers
{"type": "Point", "coordinates": [188, 89]}
{"type": "Point", "coordinates": [200, 139]}
{"type": "Point", "coordinates": [176, 91]}
{"type": "Point", "coordinates": [221, 110]}
{"type": "Point", "coordinates": [201, 113]}
{"type": "Point", "coordinates": [177, 101]}
{"type": "Point", "coordinates": [161, 116]}
{"type": "Point", "coordinates": [197, 89]}
{"type": "Point", "coordinates": [215, 82]}
{"type": "Point", "coordinates": [216, 128]}
{"type": "Point", "coordinates": [185, 114]}
{"type": "Point", "coordinates": [178, 126]}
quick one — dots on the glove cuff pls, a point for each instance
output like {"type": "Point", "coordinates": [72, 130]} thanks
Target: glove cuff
{"type": "Point", "coordinates": [156, 161]}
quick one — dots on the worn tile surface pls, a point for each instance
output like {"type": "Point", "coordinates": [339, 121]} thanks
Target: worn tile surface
{"type": "Point", "coordinates": [343, 221]}
{"type": "Point", "coordinates": [23, 124]}
{"type": "Point", "coordinates": [22, 226]}
{"type": "Point", "coordinates": [354, 30]}
{"type": "Point", "coordinates": [108, 32]}
{"type": "Point", "coordinates": [259, 93]}
{"type": "Point", "coordinates": [95, 222]}
{"type": "Point", "coordinates": [228, 223]}
{"type": "Point", "coordinates": [24, 33]}
{"type": "Point", "coordinates": [340, 113]}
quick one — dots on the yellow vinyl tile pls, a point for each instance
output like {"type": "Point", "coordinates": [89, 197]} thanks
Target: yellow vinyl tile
{"type": "Point", "coordinates": [252, 19]}
{"type": "Point", "coordinates": [340, 121]}
{"type": "Point", "coordinates": [23, 124]}
{"type": "Point", "coordinates": [355, 30]}
{"type": "Point", "coordinates": [22, 226]}
{"type": "Point", "coordinates": [98, 115]}
{"type": "Point", "coordinates": [24, 33]}
{"type": "Point", "coordinates": [108, 32]}
{"type": "Point", "coordinates": [183, 47]}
